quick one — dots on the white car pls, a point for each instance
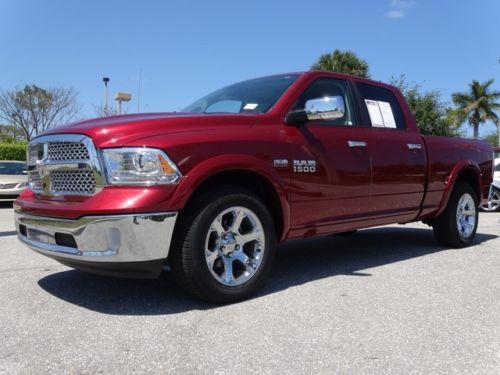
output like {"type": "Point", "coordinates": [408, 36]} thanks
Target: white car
{"type": "Point", "coordinates": [493, 203]}
{"type": "Point", "coordinates": [13, 179]}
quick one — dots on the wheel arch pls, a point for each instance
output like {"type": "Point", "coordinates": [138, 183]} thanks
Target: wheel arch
{"type": "Point", "coordinates": [467, 172]}
{"type": "Point", "coordinates": [244, 171]}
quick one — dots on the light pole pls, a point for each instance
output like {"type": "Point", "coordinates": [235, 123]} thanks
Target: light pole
{"type": "Point", "coordinates": [105, 80]}
{"type": "Point", "coordinates": [122, 97]}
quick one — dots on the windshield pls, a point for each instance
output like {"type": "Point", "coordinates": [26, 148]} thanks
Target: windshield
{"type": "Point", "coordinates": [252, 96]}
{"type": "Point", "coordinates": [12, 168]}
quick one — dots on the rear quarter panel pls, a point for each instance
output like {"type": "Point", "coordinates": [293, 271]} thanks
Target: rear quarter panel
{"type": "Point", "coordinates": [447, 158]}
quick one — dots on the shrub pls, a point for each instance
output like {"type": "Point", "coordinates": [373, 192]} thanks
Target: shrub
{"type": "Point", "coordinates": [13, 151]}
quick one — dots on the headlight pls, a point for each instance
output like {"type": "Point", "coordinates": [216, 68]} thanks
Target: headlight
{"type": "Point", "coordinates": [139, 166]}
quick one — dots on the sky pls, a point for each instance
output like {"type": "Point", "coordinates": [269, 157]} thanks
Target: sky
{"type": "Point", "coordinates": [181, 50]}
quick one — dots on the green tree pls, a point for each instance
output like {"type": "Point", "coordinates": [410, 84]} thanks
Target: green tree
{"type": "Point", "coordinates": [102, 111]}
{"type": "Point", "coordinates": [478, 105]}
{"type": "Point", "coordinates": [33, 109]}
{"type": "Point", "coordinates": [342, 62]}
{"type": "Point", "coordinates": [492, 138]}
{"type": "Point", "coordinates": [430, 114]}
{"type": "Point", "coordinates": [10, 134]}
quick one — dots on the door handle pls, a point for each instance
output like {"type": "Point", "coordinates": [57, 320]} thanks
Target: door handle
{"type": "Point", "coordinates": [356, 143]}
{"type": "Point", "coordinates": [414, 146]}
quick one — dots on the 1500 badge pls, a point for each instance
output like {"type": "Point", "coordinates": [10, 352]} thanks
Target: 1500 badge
{"type": "Point", "coordinates": [304, 166]}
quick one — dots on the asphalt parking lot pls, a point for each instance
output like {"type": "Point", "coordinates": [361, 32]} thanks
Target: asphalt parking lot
{"type": "Point", "coordinates": [384, 301]}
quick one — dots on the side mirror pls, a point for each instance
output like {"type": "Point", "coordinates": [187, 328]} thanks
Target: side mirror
{"type": "Point", "coordinates": [325, 108]}
{"type": "Point", "coordinates": [296, 118]}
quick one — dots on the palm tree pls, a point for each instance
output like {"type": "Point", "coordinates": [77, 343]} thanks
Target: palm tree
{"type": "Point", "coordinates": [478, 105]}
{"type": "Point", "coordinates": [342, 62]}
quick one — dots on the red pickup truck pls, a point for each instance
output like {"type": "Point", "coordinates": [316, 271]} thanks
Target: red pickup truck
{"type": "Point", "coordinates": [209, 191]}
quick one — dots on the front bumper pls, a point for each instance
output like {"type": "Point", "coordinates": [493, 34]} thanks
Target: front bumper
{"type": "Point", "coordinates": [119, 245]}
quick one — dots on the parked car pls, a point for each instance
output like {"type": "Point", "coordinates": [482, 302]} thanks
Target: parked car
{"type": "Point", "coordinates": [493, 203]}
{"type": "Point", "coordinates": [208, 192]}
{"type": "Point", "coordinates": [13, 179]}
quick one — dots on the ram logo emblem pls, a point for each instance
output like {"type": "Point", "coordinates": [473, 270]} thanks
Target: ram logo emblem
{"type": "Point", "coordinates": [304, 166]}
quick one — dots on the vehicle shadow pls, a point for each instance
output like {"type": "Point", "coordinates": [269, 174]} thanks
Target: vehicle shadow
{"type": "Point", "coordinates": [296, 263]}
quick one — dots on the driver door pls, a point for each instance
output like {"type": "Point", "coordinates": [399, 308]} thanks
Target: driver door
{"type": "Point", "coordinates": [332, 192]}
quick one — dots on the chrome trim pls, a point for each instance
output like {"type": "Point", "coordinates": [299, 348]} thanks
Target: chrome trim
{"type": "Point", "coordinates": [44, 166]}
{"type": "Point", "coordinates": [325, 108]}
{"type": "Point", "coordinates": [356, 144]}
{"type": "Point", "coordinates": [113, 238]}
{"type": "Point", "coordinates": [414, 146]}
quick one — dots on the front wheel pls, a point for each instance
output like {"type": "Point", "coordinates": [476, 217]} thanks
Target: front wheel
{"type": "Point", "coordinates": [225, 246]}
{"type": "Point", "coordinates": [457, 225]}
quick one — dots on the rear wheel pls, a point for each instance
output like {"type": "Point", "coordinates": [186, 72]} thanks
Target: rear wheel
{"type": "Point", "coordinates": [457, 225]}
{"type": "Point", "coordinates": [225, 246]}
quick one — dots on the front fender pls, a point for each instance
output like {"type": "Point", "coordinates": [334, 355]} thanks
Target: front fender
{"type": "Point", "coordinates": [232, 162]}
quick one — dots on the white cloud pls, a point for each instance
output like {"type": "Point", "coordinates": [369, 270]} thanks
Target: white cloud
{"type": "Point", "coordinates": [399, 8]}
{"type": "Point", "coordinates": [396, 14]}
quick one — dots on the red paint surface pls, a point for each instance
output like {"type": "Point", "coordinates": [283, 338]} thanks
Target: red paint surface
{"type": "Point", "coordinates": [351, 188]}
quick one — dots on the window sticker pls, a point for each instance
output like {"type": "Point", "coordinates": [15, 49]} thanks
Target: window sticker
{"type": "Point", "coordinates": [387, 115]}
{"type": "Point", "coordinates": [250, 106]}
{"type": "Point", "coordinates": [380, 113]}
{"type": "Point", "coordinates": [374, 111]}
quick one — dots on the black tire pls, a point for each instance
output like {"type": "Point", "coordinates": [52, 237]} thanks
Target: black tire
{"type": "Point", "coordinates": [348, 233]}
{"type": "Point", "coordinates": [188, 259]}
{"type": "Point", "coordinates": [446, 228]}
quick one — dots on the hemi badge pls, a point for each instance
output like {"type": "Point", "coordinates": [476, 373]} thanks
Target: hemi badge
{"type": "Point", "coordinates": [280, 163]}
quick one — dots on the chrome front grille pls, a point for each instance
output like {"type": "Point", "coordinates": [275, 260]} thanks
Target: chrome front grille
{"type": "Point", "coordinates": [65, 164]}
{"type": "Point", "coordinates": [35, 182]}
{"type": "Point", "coordinates": [67, 151]}
{"type": "Point", "coordinates": [73, 182]}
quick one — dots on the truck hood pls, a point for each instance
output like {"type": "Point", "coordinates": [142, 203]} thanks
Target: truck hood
{"type": "Point", "coordinates": [117, 131]}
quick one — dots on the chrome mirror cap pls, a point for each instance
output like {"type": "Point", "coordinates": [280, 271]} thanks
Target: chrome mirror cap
{"type": "Point", "coordinates": [325, 108]}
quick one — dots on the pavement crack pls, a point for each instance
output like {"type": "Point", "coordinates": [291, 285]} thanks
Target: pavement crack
{"type": "Point", "coordinates": [45, 268]}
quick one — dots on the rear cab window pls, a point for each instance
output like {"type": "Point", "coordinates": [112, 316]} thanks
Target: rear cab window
{"type": "Point", "coordinates": [381, 106]}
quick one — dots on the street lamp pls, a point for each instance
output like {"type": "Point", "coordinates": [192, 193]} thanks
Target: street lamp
{"type": "Point", "coordinates": [105, 80]}
{"type": "Point", "coordinates": [122, 97]}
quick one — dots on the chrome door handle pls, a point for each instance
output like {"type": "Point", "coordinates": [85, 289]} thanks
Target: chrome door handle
{"type": "Point", "coordinates": [356, 143]}
{"type": "Point", "coordinates": [414, 146]}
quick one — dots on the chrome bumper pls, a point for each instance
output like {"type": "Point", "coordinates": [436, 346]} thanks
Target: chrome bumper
{"type": "Point", "coordinates": [103, 239]}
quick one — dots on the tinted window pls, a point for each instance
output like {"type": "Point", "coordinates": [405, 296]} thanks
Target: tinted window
{"type": "Point", "coordinates": [253, 96]}
{"type": "Point", "coordinates": [382, 107]}
{"type": "Point", "coordinates": [324, 88]}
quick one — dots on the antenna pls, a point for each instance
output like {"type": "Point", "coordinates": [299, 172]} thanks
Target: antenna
{"type": "Point", "coordinates": [139, 92]}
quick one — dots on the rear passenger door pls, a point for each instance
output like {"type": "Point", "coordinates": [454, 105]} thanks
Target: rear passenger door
{"type": "Point", "coordinates": [397, 154]}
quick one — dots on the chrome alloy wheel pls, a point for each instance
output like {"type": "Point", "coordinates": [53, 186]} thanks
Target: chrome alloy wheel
{"type": "Point", "coordinates": [234, 246]}
{"type": "Point", "coordinates": [466, 215]}
{"type": "Point", "coordinates": [493, 203]}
